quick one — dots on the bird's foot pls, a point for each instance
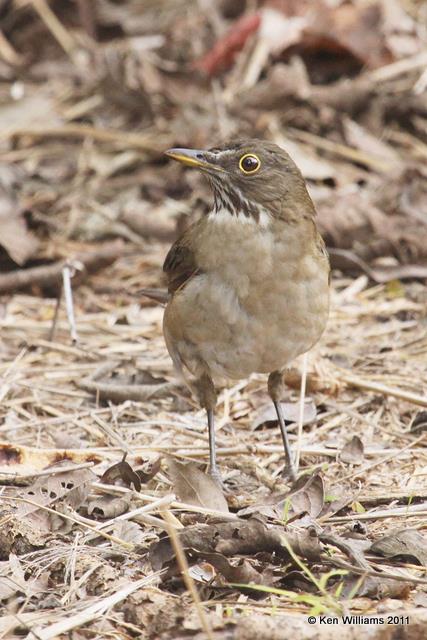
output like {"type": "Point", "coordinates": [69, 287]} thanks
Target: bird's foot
{"type": "Point", "coordinates": [216, 477]}
{"type": "Point", "coordinates": [289, 473]}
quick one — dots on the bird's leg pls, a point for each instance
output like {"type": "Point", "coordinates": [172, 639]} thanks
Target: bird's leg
{"type": "Point", "coordinates": [206, 393]}
{"type": "Point", "coordinates": [275, 390]}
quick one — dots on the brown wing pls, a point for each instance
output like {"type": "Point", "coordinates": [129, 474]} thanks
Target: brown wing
{"type": "Point", "coordinates": [180, 263]}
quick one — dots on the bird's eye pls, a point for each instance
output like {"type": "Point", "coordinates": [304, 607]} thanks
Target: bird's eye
{"type": "Point", "coordinates": [249, 163]}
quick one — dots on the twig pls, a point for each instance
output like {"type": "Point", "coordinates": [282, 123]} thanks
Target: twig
{"type": "Point", "coordinates": [51, 275]}
{"type": "Point", "coordinates": [390, 71]}
{"type": "Point", "coordinates": [136, 140]}
{"type": "Point", "coordinates": [174, 505]}
{"type": "Point", "coordinates": [379, 164]}
{"type": "Point", "coordinates": [136, 392]}
{"type": "Point", "coordinates": [68, 272]}
{"type": "Point", "coordinates": [8, 53]}
{"type": "Point", "coordinates": [87, 14]}
{"type": "Point", "coordinates": [382, 575]}
{"type": "Point", "coordinates": [61, 35]}
{"type": "Point", "coordinates": [121, 392]}
{"type": "Point", "coordinates": [46, 472]}
{"type": "Point", "coordinates": [399, 512]}
{"type": "Point", "coordinates": [385, 390]}
{"type": "Point", "coordinates": [188, 580]}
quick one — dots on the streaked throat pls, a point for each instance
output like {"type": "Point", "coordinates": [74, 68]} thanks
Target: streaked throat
{"type": "Point", "coordinates": [230, 203]}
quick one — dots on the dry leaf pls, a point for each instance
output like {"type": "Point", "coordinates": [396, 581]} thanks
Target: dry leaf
{"type": "Point", "coordinates": [107, 507]}
{"type": "Point", "coordinates": [353, 451]}
{"type": "Point", "coordinates": [406, 543]}
{"type": "Point", "coordinates": [19, 243]}
{"type": "Point", "coordinates": [290, 410]}
{"type": "Point", "coordinates": [203, 572]}
{"type": "Point", "coordinates": [241, 571]}
{"type": "Point", "coordinates": [19, 536]}
{"type": "Point", "coordinates": [245, 537]}
{"type": "Point", "coordinates": [360, 138]}
{"type": "Point", "coordinates": [17, 580]}
{"type": "Point", "coordinates": [149, 470]}
{"type": "Point", "coordinates": [25, 461]}
{"type": "Point", "coordinates": [70, 487]}
{"type": "Point", "coordinates": [306, 497]}
{"type": "Point", "coordinates": [195, 487]}
{"type": "Point", "coordinates": [129, 532]}
{"type": "Point", "coordinates": [124, 472]}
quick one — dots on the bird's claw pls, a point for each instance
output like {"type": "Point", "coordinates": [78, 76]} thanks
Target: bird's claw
{"type": "Point", "coordinates": [216, 477]}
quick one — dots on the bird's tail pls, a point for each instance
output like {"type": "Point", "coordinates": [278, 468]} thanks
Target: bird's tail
{"type": "Point", "coordinates": [159, 295]}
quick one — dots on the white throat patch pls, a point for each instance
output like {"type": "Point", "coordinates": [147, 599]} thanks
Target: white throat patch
{"type": "Point", "coordinates": [224, 216]}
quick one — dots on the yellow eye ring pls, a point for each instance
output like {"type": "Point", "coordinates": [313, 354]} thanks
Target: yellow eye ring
{"type": "Point", "coordinates": [249, 159]}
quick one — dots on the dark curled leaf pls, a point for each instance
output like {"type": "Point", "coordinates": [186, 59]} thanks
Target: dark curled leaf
{"type": "Point", "coordinates": [124, 472]}
{"type": "Point", "coordinates": [419, 423]}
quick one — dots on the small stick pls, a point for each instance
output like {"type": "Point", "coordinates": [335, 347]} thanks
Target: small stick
{"type": "Point", "coordinates": [369, 385]}
{"type": "Point", "coordinates": [46, 472]}
{"type": "Point", "coordinates": [394, 69]}
{"type": "Point", "coordinates": [350, 153]}
{"type": "Point", "coordinates": [68, 272]}
{"type": "Point", "coordinates": [51, 275]}
{"type": "Point", "coordinates": [77, 130]}
{"type": "Point", "coordinates": [382, 575]}
{"type": "Point", "coordinates": [188, 580]}
{"type": "Point", "coordinates": [56, 28]}
{"type": "Point", "coordinates": [8, 53]}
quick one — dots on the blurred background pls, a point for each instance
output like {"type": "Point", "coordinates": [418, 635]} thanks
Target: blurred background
{"type": "Point", "coordinates": [92, 92]}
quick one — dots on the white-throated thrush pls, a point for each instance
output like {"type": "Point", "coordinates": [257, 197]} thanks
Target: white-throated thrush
{"type": "Point", "coordinates": [249, 281]}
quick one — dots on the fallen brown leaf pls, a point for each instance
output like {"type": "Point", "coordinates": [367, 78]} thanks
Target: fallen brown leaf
{"type": "Point", "coordinates": [353, 451]}
{"type": "Point", "coordinates": [407, 543]}
{"type": "Point", "coordinates": [195, 487]}
{"type": "Point", "coordinates": [71, 487]}
{"type": "Point", "coordinates": [18, 241]}
{"type": "Point", "coordinates": [245, 537]}
{"type": "Point", "coordinates": [290, 413]}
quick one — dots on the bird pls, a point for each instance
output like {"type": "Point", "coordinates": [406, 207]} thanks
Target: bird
{"type": "Point", "coordinates": [249, 281]}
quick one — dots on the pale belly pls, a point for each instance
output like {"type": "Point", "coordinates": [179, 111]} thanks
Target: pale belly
{"type": "Point", "coordinates": [247, 315]}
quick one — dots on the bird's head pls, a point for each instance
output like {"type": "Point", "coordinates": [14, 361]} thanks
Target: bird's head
{"type": "Point", "coordinates": [252, 178]}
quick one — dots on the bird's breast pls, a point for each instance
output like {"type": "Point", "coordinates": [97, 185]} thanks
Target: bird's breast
{"type": "Point", "coordinates": [261, 298]}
